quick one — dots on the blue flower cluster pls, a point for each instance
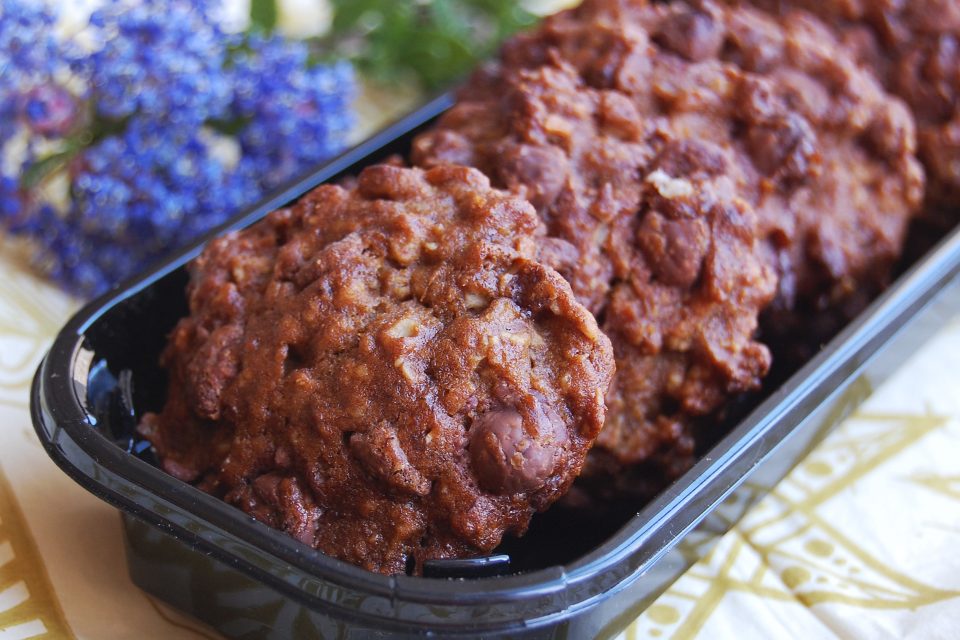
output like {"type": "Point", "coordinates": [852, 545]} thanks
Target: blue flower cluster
{"type": "Point", "coordinates": [28, 49]}
{"type": "Point", "coordinates": [163, 129]}
{"type": "Point", "coordinates": [29, 59]}
{"type": "Point", "coordinates": [293, 109]}
{"type": "Point", "coordinates": [159, 59]}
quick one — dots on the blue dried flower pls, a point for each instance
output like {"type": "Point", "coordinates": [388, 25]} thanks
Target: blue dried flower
{"type": "Point", "coordinates": [158, 58]}
{"type": "Point", "coordinates": [141, 145]}
{"type": "Point", "coordinates": [10, 201]}
{"type": "Point", "coordinates": [30, 56]}
{"type": "Point", "coordinates": [27, 44]}
{"type": "Point", "coordinates": [149, 181]}
{"type": "Point", "coordinates": [49, 110]}
{"type": "Point", "coordinates": [296, 114]}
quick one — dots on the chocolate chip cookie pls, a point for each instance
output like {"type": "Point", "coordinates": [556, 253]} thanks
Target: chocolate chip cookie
{"type": "Point", "coordinates": [696, 164]}
{"type": "Point", "coordinates": [385, 371]}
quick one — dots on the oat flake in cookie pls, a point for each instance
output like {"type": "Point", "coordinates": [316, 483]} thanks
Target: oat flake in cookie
{"type": "Point", "coordinates": [385, 372]}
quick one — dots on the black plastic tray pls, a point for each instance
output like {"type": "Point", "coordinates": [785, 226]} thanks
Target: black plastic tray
{"type": "Point", "coordinates": [572, 578]}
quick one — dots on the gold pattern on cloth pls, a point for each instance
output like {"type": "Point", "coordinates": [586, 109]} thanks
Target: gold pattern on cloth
{"type": "Point", "coordinates": [947, 485]}
{"type": "Point", "coordinates": [28, 604]}
{"type": "Point", "coordinates": [786, 550]}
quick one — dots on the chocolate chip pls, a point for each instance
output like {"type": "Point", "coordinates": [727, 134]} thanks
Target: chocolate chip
{"type": "Point", "coordinates": [506, 458]}
{"type": "Point", "coordinates": [541, 170]}
{"type": "Point", "coordinates": [688, 158]}
{"type": "Point", "coordinates": [674, 249]}
{"type": "Point", "coordinates": [784, 149]}
{"type": "Point", "coordinates": [694, 35]}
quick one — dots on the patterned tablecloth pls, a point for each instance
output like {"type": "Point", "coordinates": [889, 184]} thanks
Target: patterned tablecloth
{"type": "Point", "coordinates": [859, 541]}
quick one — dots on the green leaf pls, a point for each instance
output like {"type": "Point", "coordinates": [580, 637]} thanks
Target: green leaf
{"type": "Point", "coordinates": [231, 127]}
{"type": "Point", "coordinates": [38, 171]}
{"type": "Point", "coordinates": [99, 129]}
{"type": "Point", "coordinates": [434, 41]}
{"type": "Point", "coordinates": [263, 14]}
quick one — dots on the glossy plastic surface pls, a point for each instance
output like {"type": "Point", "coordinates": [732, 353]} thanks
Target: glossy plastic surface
{"type": "Point", "coordinates": [571, 578]}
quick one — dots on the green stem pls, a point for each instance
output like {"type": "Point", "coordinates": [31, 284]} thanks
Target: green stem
{"type": "Point", "coordinates": [99, 129]}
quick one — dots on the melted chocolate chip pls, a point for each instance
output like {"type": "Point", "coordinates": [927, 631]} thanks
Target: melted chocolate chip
{"type": "Point", "coordinates": [674, 249]}
{"type": "Point", "coordinates": [694, 35]}
{"type": "Point", "coordinates": [506, 458]}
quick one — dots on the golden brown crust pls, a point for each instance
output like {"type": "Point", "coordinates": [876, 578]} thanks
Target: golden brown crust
{"type": "Point", "coordinates": [384, 372]}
